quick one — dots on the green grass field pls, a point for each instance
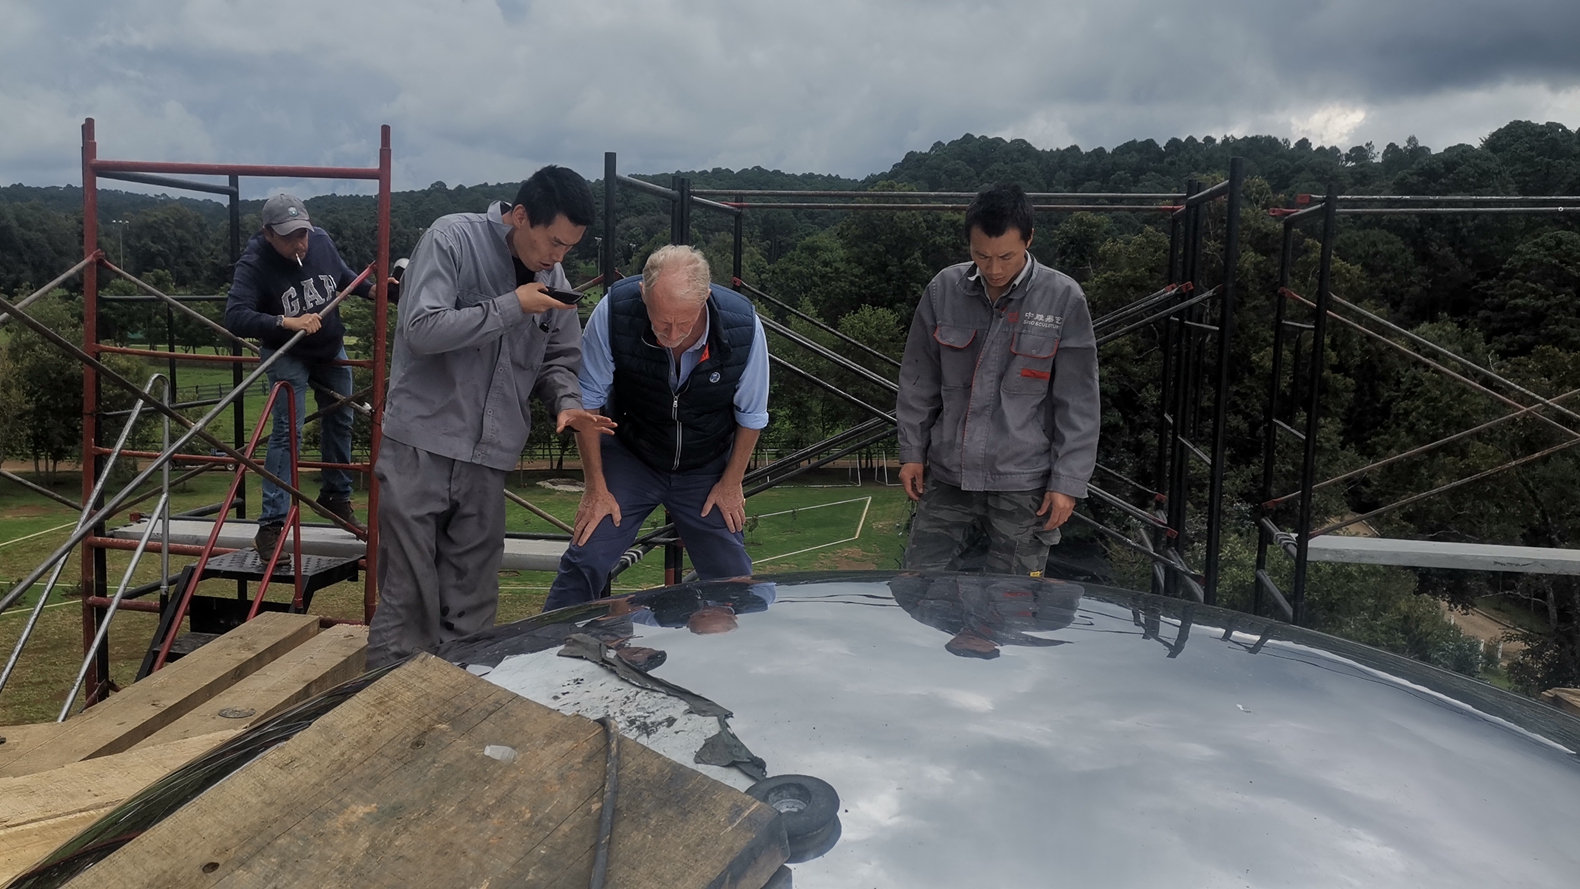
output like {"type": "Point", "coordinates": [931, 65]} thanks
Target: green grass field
{"type": "Point", "coordinates": [824, 522]}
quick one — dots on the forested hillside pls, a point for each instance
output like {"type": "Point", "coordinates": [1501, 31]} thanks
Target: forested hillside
{"type": "Point", "coordinates": [1501, 290]}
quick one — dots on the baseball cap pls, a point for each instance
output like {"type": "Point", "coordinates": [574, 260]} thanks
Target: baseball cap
{"type": "Point", "coordinates": [285, 214]}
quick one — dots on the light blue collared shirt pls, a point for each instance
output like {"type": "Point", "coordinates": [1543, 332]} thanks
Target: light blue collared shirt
{"type": "Point", "coordinates": [597, 373]}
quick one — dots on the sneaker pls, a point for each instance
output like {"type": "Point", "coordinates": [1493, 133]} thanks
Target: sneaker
{"type": "Point", "coordinates": [267, 538]}
{"type": "Point", "coordinates": [342, 510]}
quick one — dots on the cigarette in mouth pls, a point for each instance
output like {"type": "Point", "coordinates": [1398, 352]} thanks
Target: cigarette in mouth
{"type": "Point", "coordinates": [298, 260]}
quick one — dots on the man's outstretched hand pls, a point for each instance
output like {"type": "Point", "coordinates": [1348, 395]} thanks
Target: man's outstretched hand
{"type": "Point", "coordinates": [584, 422]}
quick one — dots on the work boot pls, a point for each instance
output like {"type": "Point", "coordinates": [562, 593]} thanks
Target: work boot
{"type": "Point", "coordinates": [342, 510]}
{"type": "Point", "coordinates": [267, 538]}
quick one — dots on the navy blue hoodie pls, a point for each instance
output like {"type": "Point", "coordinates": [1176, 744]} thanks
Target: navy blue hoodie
{"type": "Point", "coordinates": [268, 285]}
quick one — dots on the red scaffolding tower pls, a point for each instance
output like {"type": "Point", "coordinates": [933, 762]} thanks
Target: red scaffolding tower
{"type": "Point", "coordinates": [95, 579]}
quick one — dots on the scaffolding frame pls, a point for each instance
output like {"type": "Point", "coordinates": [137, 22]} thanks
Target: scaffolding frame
{"type": "Point", "coordinates": [1289, 336]}
{"type": "Point", "coordinates": [97, 605]}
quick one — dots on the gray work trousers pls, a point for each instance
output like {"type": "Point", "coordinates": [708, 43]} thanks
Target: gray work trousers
{"type": "Point", "coordinates": [441, 538]}
{"type": "Point", "coordinates": [1017, 543]}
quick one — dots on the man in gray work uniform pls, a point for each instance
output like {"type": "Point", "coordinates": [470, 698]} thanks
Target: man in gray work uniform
{"type": "Point", "coordinates": [478, 335]}
{"type": "Point", "coordinates": [998, 404]}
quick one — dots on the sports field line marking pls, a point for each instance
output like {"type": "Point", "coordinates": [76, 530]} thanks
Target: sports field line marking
{"type": "Point", "coordinates": [46, 608]}
{"type": "Point", "coordinates": [764, 515]}
{"type": "Point", "coordinates": [861, 523]}
{"type": "Point", "coordinates": [40, 533]}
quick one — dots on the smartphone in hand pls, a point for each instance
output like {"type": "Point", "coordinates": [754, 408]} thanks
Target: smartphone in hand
{"type": "Point", "coordinates": [569, 297]}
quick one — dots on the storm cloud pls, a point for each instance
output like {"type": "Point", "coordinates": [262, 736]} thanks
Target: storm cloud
{"type": "Point", "coordinates": [487, 90]}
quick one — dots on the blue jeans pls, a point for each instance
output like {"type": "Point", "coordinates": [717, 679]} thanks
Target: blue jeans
{"type": "Point", "coordinates": [334, 433]}
{"type": "Point", "coordinates": [715, 550]}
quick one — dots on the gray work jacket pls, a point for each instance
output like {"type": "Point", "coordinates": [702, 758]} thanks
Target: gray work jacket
{"type": "Point", "coordinates": [1001, 397]}
{"type": "Point", "coordinates": [466, 357]}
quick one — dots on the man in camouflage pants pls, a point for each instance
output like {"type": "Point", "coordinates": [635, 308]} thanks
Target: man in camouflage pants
{"type": "Point", "coordinates": [998, 403]}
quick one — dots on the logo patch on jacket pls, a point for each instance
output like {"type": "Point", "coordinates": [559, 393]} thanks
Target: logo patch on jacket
{"type": "Point", "coordinates": [1047, 322]}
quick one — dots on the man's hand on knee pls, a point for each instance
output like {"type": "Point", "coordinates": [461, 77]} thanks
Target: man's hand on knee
{"type": "Point", "coordinates": [911, 478]}
{"type": "Point", "coordinates": [731, 501]}
{"type": "Point", "coordinates": [1057, 507]}
{"type": "Point", "coordinates": [596, 504]}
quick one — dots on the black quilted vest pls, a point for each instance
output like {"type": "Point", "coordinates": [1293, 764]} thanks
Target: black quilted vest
{"type": "Point", "coordinates": [684, 430]}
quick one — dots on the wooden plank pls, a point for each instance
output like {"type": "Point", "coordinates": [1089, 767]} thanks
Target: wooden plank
{"type": "Point", "coordinates": [24, 737]}
{"type": "Point", "coordinates": [393, 788]}
{"type": "Point", "coordinates": [335, 655]}
{"type": "Point", "coordinates": [131, 715]}
{"type": "Point", "coordinates": [1565, 699]}
{"type": "Point", "coordinates": [39, 812]}
{"type": "Point", "coordinates": [1439, 554]}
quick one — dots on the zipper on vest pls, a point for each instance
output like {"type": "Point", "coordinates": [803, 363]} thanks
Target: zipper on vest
{"type": "Point", "coordinates": [674, 414]}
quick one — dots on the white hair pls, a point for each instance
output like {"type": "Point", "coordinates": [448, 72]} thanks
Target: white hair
{"type": "Point", "coordinates": [686, 262]}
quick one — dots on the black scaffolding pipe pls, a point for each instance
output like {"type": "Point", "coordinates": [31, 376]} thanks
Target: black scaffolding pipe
{"type": "Point", "coordinates": [961, 195]}
{"type": "Point", "coordinates": [1267, 534]}
{"type": "Point", "coordinates": [170, 182]}
{"type": "Point", "coordinates": [1178, 373]}
{"type": "Point", "coordinates": [1195, 363]}
{"type": "Point", "coordinates": [1226, 307]}
{"type": "Point", "coordinates": [1306, 199]}
{"type": "Point", "coordinates": [610, 192]}
{"type": "Point", "coordinates": [1272, 425]}
{"type": "Point", "coordinates": [1040, 208]}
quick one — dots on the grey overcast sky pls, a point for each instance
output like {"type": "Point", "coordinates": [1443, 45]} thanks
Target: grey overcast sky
{"type": "Point", "coordinates": [488, 90]}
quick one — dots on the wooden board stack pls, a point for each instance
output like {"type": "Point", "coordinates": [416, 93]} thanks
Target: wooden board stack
{"type": "Point", "coordinates": [430, 776]}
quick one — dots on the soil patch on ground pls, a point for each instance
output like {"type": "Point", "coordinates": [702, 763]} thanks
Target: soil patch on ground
{"type": "Point", "coordinates": [852, 559]}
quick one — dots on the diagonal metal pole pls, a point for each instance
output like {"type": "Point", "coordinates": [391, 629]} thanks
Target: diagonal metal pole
{"type": "Point", "coordinates": [830, 387]}
{"type": "Point", "coordinates": [1134, 308]}
{"type": "Point", "coordinates": [1166, 313]}
{"type": "Point", "coordinates": [1448, 487]}
{"type": "Point", "coordinates": [179, 306]}
{"type": "Point", "coordinates": [193, 431]}
{"type": "Point", "coordinates": [847, 340]}
{"type": "Point", "coordinates": [115, 604]}
{"type": "Point", "coordinates": [828, 354]}
{"type": "Point", "coordinates": [82, 522]}
{"type": "Point", "coordinates": [1415, 452]}
{"type": "Point", "coordinates": [522, 502]}
{"type": "Point", "coordinates": [1428, 344]}
{"type": "Point", "coordinates": [1449, 372]}
{"type": "Point", "coordinates": [39, 489]}
{"type": "Point", "coordinates": [198, 429]}
{"type": "Point", "coordinates": [798, 457]}
{"type": "Point", "coordinates": [44, 291]}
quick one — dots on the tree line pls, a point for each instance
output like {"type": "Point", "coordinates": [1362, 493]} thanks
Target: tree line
{"type": "Point", "coordinates": [1499, 290]}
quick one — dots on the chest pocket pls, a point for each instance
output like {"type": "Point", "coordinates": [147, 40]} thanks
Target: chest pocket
{"type": "Point", "coordinates": [527, 343]}
{"type": "Point", "coordinates": [958, 358]}
{"type": "Point", "coordinates": [1031, 361]}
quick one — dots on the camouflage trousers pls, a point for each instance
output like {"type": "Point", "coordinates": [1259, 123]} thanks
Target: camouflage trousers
{"type": "Point", "coordinates": [948, 518]}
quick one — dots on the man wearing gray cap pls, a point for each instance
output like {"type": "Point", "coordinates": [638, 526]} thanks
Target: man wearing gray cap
{"type": "Point", "coordinates": [288, 273]}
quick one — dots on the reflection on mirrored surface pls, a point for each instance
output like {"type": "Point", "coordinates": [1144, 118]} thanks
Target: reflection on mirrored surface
{"type": "Point", "coordinates": [1007, 732]}
{"type": "Point", "coordinates": [985, 731]}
